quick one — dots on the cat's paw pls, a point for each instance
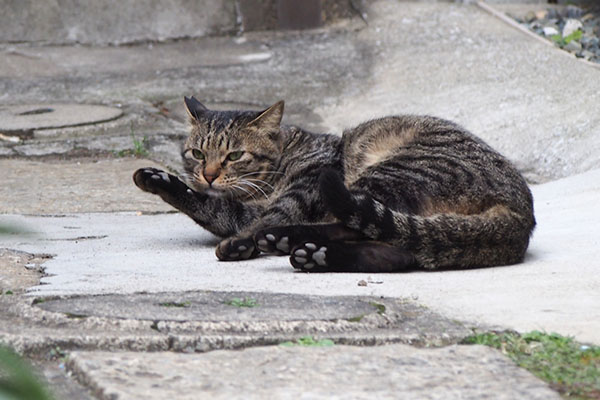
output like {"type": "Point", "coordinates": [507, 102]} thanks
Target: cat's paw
{"type": "Point", "coordinates": [155, 181]}
{"type": "Point", "coordinates": [274, 240]}
{"type": "Point", "coordinates": [235, 249]}
{"type": "Point", "coordinates": [309, 257]}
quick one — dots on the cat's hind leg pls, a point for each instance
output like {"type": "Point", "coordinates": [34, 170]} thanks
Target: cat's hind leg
{"type": "Point", "coordinates": [279, 240]}
{"type": "Point", "coordinates": [348, 256]}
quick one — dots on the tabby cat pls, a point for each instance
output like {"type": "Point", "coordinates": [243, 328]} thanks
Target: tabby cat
{"type": "Point", "coordinates": [392, 194]}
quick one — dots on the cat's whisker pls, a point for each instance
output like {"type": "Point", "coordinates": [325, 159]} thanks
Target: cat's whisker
{"type": "Point", "coordinates": [253, 185]}
{"type": "Point", "coordinates": [261, 181]}
{"type": "Point", "coordinates": [244, 190]}
{"type": "Point", "coordinates": [261, 172]}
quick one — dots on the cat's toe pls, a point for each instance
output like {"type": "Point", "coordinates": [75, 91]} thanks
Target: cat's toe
{"type": "Point", "coordinates": [145, 179]}
{"type": "Point", "coordinates": [156, 181]}
{"type": "Point", "coordinates": [236, 249]}
{"type": "Point", "coordinates": [273, 241]}
{"type": "Point", "coordinates": [309, 257]}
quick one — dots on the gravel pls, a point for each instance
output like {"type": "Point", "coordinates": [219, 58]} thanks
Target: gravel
{"type": "Point", "coordinates": [573, 28]}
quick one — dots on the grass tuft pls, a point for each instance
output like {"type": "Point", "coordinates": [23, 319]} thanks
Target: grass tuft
{"type": "Point", "coordinates": [245, 302]}
{"type": "Point", "coordinates": [308, 341]}
{"type": "Point", "coordinates": [569, 367]}
{"type": "Point", "coordinates": [183, 304]}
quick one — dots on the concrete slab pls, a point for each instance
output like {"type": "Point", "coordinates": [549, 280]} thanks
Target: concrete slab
{"type": "Point", "coordinates": [128, 253]}
{"type": "Point", "coordinates": [215, 307]}
{"type": "Point", "coordinates": [459, 62]}
{"type": "Point", "coordinates": [27, 117]}
{"type": "Point", "coordinates": [56, 187]}
{"type": "Point", "coordinates": [339, 372]}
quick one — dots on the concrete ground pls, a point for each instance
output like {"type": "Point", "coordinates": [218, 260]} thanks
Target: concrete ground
{"type": "Point", "coordinates": [97, 266]}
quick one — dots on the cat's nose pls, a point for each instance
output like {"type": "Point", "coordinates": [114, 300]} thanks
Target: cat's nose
{"type": "Point", "coordinates": [210, 176]}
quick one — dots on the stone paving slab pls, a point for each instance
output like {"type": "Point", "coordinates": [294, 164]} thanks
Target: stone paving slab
{"type": "Point", "coordinates": [339, 372]}
{"type": "Point", "coordinates": [56, 187]}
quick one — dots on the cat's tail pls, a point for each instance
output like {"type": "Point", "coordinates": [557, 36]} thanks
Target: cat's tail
{"type": "Point", "coordinates": [496, 236]}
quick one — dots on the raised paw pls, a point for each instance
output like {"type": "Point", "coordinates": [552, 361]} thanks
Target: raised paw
{"type": "Point", "coordinates": [274, 240]}
{"type": "Point", "coordinates": [154, 180]}
{"type": "Point", "coordinates": [310, 257]}
{"type": "Point", "coordinates": [235, 249]}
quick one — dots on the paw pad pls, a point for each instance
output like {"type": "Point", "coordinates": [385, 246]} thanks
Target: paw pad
{"type": "Point", "coordinates": [307, 256]}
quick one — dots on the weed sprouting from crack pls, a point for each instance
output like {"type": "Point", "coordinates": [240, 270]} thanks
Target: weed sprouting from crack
{"type": "Point", "coordinates": [183, 304]}
{"type": "Point", "coordinates": [245, 302]}
{"type": "Point", "coordinates": [308, 341]}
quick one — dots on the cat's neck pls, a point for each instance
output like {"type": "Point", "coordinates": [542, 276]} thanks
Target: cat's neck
{"type": "Point", "coordinates": [301, 148]}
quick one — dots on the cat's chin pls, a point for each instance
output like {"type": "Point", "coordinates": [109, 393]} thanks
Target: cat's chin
{"type": "Point", "coordinates": [212, 192]}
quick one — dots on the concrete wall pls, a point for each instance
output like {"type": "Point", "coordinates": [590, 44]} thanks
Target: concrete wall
{"type": "Point", "coordinates": [99, 22]}
{"type": "Point", "coordinates": [113, 21]}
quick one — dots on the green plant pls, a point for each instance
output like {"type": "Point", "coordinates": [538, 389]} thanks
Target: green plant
{"type": "Point", "coordinates": [245, 302]}
{"type": "Point", "coordinates": [139, 146]}
{"type": "Point", "coordinates": [358, 318]}
{"type": "Point", "coordinates": [559, 40]}
{"type": "Point", "coordinates": [8, 292]}
{"type": "Point", "coordinates": [175, 304]}
{"type": "Point", "coordinates": [308, 341]}
{"type": "Point", "coordinates": [570, 367]}
{"type": "Point", "coordinates": [380, 307]}
{"type": "Point", "coordinates": [139, 149]}
{"type": "Point", "coordinates": [17, 381]}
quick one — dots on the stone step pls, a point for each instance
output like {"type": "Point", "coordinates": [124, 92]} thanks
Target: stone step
{"type": "Point", "coordinates": [337, 372]}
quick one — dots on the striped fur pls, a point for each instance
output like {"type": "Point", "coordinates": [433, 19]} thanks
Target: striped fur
{"type": "Point", "coordinates": [391, 194]}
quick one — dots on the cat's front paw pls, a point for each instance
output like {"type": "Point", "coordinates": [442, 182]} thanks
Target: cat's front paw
{"type": "Point", "coordinates": [235, 249]}
{"type": "Point", "coordinates": [155, 181]}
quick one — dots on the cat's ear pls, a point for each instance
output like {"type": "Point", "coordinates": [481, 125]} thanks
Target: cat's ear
{"type": "Point", "coordinates": [194, 108]}
{"type": "Point", "coordinates": [270, 118]}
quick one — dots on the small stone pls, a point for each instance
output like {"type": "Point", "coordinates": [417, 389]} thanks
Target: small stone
{"type": "Point", "coordinates": [552, 14]}
{"type": "Point", "coordinates": [573, 46]}
{"type": "Point", "coordinates": [573, 12]}
{"type": "Point", "coordinates": [585, 54]}
{"type": "Point", "coordinates": [571, 26]}
{"type": "Point", "coordinates": [550, 31]}
{"type": "Point", "coordinates": [587, 17]}
{"type": "Point", "coordinates": [542, 14]}
{"type": "Point", "coordinates": [362, 282]}
{"type": "Point", "coordinates": [530, 16]}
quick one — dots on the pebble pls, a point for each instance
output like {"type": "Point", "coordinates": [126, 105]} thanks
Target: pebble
{"type": "Point", "coordinates": [573, 11]}
{"type": "Point", "coordinates": [550, 31]}
{"type": "Point", "coordinates": [571, 26]}
{"type": "Point", "coordinates": [573, 46]}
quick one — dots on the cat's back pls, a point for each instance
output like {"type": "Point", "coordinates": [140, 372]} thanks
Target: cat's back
{"type": "Point", "coordinates": [435, 157]}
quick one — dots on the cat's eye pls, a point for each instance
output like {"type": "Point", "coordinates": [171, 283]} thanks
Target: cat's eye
{"type": "Point", "coordinates": [198, 155]}
{"type": "Point", "coordinates": [236, 155]}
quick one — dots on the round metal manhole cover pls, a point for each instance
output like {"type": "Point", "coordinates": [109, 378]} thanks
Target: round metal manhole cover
{"type": "Point", "coordinates": [29, 117]}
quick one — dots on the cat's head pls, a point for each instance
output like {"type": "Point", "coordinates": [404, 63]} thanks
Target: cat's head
{"type": "Point", "coordinates": [232, 153]}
